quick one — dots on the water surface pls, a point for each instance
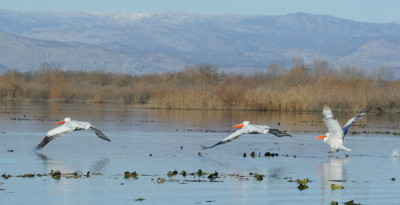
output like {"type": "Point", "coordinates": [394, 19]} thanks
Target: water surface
{"type": "Point", "coordinates": [153, 142]}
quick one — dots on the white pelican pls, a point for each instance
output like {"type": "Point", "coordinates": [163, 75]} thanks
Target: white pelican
{"type": "Point", "coordinates": [248, 128]}
{"type": "Point", "coordinates": [335, 136]}
{"type": "Point", "coordinates": [67, 126]}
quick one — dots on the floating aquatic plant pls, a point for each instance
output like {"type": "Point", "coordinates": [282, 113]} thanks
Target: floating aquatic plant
{"type": "Point", "coordinates": [253, 154]}
{"type": "Point", "coordinates": [302, 187]}
{"type": "Point", "coordinates": [160, 180]}
{"type": "Point", "coordinates": [6, 176]}
{"type": "Point", "coordinates": [351, 202]}
{"type": "Point", "coordinates": [134, 175]}
{"type": "Point", "coordinates": [302, 181]}
{"type": "Point", "coordinates": [26, 175]}
{"type": "Point", "coordinates": [183, 173]}
{"type": "Point", "coordinates": [140, 199]}
{"type": "Point", "coordinates": [336, 186]}
{"type": "Point", "coordinates": [56, 174]}
{"type": "Point", "coordinates": [213, 176]}
{"type": "Point", "coordinates": [258, 177]}
{"type": "Point", "coordinates": [334, 203]}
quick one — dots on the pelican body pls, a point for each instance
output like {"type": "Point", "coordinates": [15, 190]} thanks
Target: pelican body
{"type": "Point", "coordinates": [335, 136]}
{"type": "Point", "coordinates": [67, 126]}
{"type": "Point", "coordinates": [247, 128]}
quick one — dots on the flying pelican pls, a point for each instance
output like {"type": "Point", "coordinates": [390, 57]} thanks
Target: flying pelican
{"type": "Point", "coordinates": [335, 136]}
{"type": "Point", "coordinates": [67, 126]}
{"type": "Point", "coordinates": [248, 128]}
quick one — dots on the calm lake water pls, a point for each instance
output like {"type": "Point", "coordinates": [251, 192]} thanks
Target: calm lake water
{"type": "Point", "coordinates": [154, 142]}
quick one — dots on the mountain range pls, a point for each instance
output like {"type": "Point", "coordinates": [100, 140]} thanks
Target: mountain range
{"type": "Point", "coordinates": [141, 43]}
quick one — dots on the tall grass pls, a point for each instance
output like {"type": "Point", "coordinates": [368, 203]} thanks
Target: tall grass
{"type": "Point", "coordinates": [300, 88]}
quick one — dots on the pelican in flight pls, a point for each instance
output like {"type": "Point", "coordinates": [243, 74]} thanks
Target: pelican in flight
{"type": "Point", "coordinates": [247, 128]}
{"type": "Point", "coordinates": [67, 126]}
{"type": "Point", "coordinates": [335, 136]}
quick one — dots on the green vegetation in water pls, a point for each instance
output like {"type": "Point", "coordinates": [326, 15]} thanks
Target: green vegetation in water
{"type": "Point", "coordinates": [134, 175]}
{"type": "Point", "coordinates": [302, 187]}
{"type": "Point", "coordinates": [351, 202]}
{"type": "Point", "coordinates": [172, 173]}
{"type": "Point", "coordinates": [26, 175]}
{"type": "Point", "coordinates": [258, 177]}
{"type": "Point", "coordinates": [6, 176]}
{"type": "Point", "coordinates": [336, 186]}
{"type": "Point", "coordinates": [334, 203]}
{"type": "Point", "coordinates": [302, 181]}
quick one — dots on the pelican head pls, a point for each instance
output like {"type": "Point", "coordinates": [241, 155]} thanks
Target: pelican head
{"type": "Point", "coordinates": [245, 123]}
{"type": "Point", "coordinates": [67, 119]}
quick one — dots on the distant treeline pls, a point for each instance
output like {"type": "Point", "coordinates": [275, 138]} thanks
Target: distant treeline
{"type": "Point", "coordinates": [300, 88]}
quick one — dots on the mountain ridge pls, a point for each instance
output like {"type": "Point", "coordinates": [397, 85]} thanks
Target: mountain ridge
{"type": "Point", "coordinates": [140, 43]}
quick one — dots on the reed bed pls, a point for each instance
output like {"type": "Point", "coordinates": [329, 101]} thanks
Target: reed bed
{"type": "Point", "coordinates": [299, 88]}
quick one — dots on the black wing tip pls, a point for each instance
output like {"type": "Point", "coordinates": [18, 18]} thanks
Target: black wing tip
{"type": "Point", "coordinates": [38, 147]}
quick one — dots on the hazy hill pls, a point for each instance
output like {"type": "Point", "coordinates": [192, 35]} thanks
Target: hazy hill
{"type": "Point", "coordinates": [145, 43]}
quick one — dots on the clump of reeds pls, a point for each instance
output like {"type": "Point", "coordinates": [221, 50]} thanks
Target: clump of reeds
{"type": "Point", "coordinates": [300, 88]}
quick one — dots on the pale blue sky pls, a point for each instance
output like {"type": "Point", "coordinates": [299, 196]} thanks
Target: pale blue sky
{"type": "Point", "coordinates": [374, 11]}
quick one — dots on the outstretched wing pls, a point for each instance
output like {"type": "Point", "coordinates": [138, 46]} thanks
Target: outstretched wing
{"type": "Point", "coordinates": [335, 131]}
{"type": "Point", "coordinates": [231, 137]}
{"type": "Point", "coordinates": [100, 133]}
{"type": "Point", "coordinates": [54, 134]}
{"type": "Point", "coordinates": [354, 119]}
{"type": "Point", "coordinates": [278, 133]}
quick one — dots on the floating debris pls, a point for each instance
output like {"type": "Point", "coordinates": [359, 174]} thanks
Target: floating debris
{"type": "Point", "coordinates": [199, 154]}
{"type": "Point", "coordinates": [131, 175]}
{"type": "Point", "coordinates": [244, 155]}
{"type": "Point", "coordinates": [334, 203]}
{"type": "Point", "coordinates": [10, 150]}
{"type": "Point", "coordinates": [140, 199]}
{"type": "Point", "coordinates": [302, 187]}
{"type": "Point", "coordinates": [336, 186]}
{"type": "Point", "coordinates": [393, 179]}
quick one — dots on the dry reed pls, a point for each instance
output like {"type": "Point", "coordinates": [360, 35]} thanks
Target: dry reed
{"type": "Point", "coordinates": [202, 87]}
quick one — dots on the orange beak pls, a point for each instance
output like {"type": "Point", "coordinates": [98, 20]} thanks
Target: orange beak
{"type": "Point", "coordinates": [60, 123]}
{"type": "Point", "coordinates": [320, 137]}
{"type": "Point", "coordinates": [238, 126]}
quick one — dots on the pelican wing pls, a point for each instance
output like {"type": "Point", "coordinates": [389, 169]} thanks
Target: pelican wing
{"type": "Point", "coordinates": [100, 133]}
{"type": "Point", "coordinates": [354, 119]}
{"type": "Point", "coordinates": [335, 131]}
{"type": "Point", "coordinates": [231, 137]}
{"type": "Point", "coordinates": [54, 134]}
{"type": "Point", "coordinates": [278, 133]}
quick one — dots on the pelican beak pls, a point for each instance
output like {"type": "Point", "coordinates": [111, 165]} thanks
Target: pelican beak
{"type": "Point", "coordinates": [238, 126]}
{"type": "Point", "coordinates": [60, 123]}
{"type": "Point", "coordinates": [320, 137]}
